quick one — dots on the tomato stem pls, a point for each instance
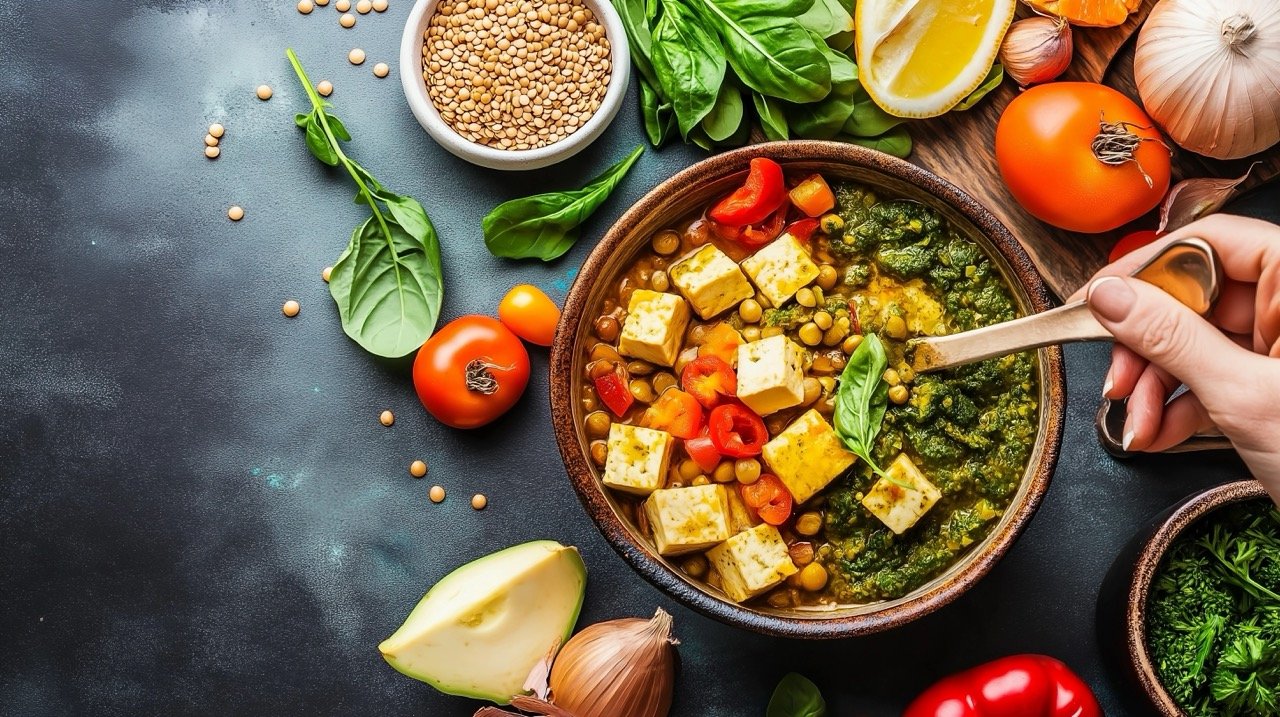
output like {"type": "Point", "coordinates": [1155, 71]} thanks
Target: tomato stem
{"type": "Point", "coordinates": [479, 376]}
{"type": "Point", "coordinates": [1116, 143]}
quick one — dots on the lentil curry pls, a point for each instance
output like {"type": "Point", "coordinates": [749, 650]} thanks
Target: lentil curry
{"type": "Point", "coordinates": [711, 383]}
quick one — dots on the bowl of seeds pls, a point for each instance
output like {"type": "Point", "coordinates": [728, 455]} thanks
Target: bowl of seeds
{"type": "Point", "coordinates": [514, 84]}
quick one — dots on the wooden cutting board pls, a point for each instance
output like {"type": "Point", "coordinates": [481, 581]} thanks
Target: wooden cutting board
{"type": "Point", "coordinates": [960, 147]}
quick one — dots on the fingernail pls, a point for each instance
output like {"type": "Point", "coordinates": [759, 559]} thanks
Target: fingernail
{"type": "Point", "coordinates": [1112, 298]}
{"type": "Point", "coordinates": [1107, 384]}
{"type": "Point", "coordinates": [1127, 440]}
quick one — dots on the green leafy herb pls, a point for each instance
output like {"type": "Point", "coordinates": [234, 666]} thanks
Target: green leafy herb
{"type": "Point", "coordinates": [993, 79]}
{"type": "Point", "coordinates": [659, 119]}
{"type": "Point", "coordinates": [772, 119]}
{"type": "Point", "coordinates": [862, 399]}
{"type": "Point", "coordinates": [796, 696]}
{"type": "Point", "coordinates": [896, 141]}
{"type": "Point", "coordinates": [824, 120]}
{"type": "Point", "coordinates": [827, 18]}
{"type": "Point", "coordinates": [769, 49]}
{"type": "Point", "coordinates": [544, 226]}
{"type": "Point", "coordinates": [726, 116]}
{"type": "Point", "coordinates": [689, 60]}
{"type": "Point", "coordinates": [388, 282]}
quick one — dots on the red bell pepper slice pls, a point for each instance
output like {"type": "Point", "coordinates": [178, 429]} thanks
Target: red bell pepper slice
{"type": "Point", "coordinates": [675, 412]}
{"type": "Point", "coordinates": [1132, 242]}
{"type": "Point", "coordinates": [802, 229]}
{"type": "Point", "coordinates": [769, 498]}
{"type": "Point", "coordinates": [710, 379]}
{"type": "Point", "coordinates": [737, 431]}
{"type": "Point", "coordinates": [1022, 685]}
{"type": "Point", "coordinates": [722, 341]}
{"type": "Point", "coordinates": [760, 234]}
{"type": "Point", "coordinates": [764, 191]}
{"type": "Point", "coordinates": [702, 451]}
{"type": "Point", "coordinates": [613, 391]}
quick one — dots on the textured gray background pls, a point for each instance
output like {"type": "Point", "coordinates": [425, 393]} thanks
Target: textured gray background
{"type": "Point", "coordinates": [199, 512]}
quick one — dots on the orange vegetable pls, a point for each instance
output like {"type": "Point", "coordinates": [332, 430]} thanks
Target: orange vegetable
{"type": "Point", "coordinates": [530, 314]}
{"type": "Point", "coordinates": [675, 412]}
{"type": "Point", "coordinates": [813, 196]}
{"type": "Point", "coordinates": [722, 341]}
{"type": "Point", "coordinates": [1089, 13]}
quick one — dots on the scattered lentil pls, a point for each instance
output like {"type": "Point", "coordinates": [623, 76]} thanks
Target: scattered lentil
{"type": "Point", "coordinates": [380, 5]}
{"type": "Point", "coordinates": [515, 74]}
{"type": "Point", "coordinates": [291, 308]}
{"type": "Point", "coordinates": [235, 213]}
{"type": "Point", "coordinates": [322, 3]}
{"type": "Point", "coordinates": [342, 5]}
{"type": "Point", "coordinates": [347, 20]}
{"type": "Point", "coordinates": [478, 501]}
{"type": "Point", "coordinates": [387, 418]}
{"type": "Point", "coordinates": [325, 272]}
{"type": "Point", "coordinates": [356, 56]}
{"type": "Point", "coordinates": [324, 87]}
{"type": "Point", "coordinates": [436, 494]}
{"type": "Point", "coordinates": [364, 6]}
{"type": "Point", "coordinates": [217, 130]}
{"type": "Point", "coordinates": [264, 92]}
{"type": "Point", "coordinates": [417, 469]}
{"type": "Point", "coordinates": [306, 6]}
{"type": "Point", "coordinates": [210, 141]}
{"type": "Point", "coordinates": [381, 69]}
{"type": "Point", "coordinates": [212, 152]}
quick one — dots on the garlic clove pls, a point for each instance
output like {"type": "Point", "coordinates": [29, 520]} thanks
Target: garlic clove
{"type": "Point", "coordinates": [1192, 199]}
{"type": "Point", "coordinates": [1036, 50]}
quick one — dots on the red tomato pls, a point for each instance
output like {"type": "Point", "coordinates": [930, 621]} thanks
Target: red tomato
{"type": "Point", "coordinates": [675, 412]}
{"type": "Point", "coordinates": [709, 379]}
{"type": "Point", "coordinates": [770, 499]}
{"type": "Point", "coordinates": [471, 371]}
{"type": "Point", "coordinates": [1045, 147]}
{"type": "Point", "coordinates": [613, 390]}
{"type": "Point", "coordinates": [530, 314]}
{"type": "Point", "coordinates": [737, 431]}
{"type": "Point", "coordinates": [1130, 242]}
{"type": "Point", "coordinates": [702, 451]}
{"type": "Point", "coordinates": [758, 197]}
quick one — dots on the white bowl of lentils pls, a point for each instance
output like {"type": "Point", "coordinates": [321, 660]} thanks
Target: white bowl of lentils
{"type": "Point", "coordinates": [514, 84]}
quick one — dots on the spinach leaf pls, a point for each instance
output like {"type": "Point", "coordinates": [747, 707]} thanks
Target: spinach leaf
{"type": "Point", "coordinates": [544, 226]}
{"type": "Point", "coordinates": [690, 63]}
{"type": "Point", "coordinates": [824, 119]}
{"type": "Point", "coordinates": [862, 399]}
{"type": "Point", "coordinates": [656, 112]}
{"type": "Point", "coordinates": [388, 282]}
{"type": "Point", "coordinates": [771, 53]}
{"type": "Point", "coordinates": [896, 141]}
{"type": "Point", "coordinates": [796, 696]}
{"type": "Point", "coordinates": [867, 119]}
{"type": "Point", "coordinates": [635, 22]}
{"type": "Point", "coordinates": [726, 116]}
{"type": "Point", "coordinates": [772, 119]}
{"type": "Point", "coordinates": [826, 18]}
{"type": "Point", "coordinates": [993, 79]}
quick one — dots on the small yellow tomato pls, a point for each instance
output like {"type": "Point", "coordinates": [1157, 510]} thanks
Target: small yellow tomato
{"type": "Point", "coordinates": [530, 314]}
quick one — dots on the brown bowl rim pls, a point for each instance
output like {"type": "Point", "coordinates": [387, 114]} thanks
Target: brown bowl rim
{"type": "Point", "coordinates": [811, 626]}
{"type": "Point", "coordinates": [1182, 516]}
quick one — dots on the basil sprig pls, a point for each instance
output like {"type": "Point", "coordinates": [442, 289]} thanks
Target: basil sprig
{"type": "Point", "coordinates": [544, 226]}
{"type": "Point", "coordinates": [862, 399]}
{"type": "Point", "coordinates": [796, 696]}
{"type": "Point", "coordinates": [388, 282]}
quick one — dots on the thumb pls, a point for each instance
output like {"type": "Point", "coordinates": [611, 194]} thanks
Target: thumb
{"type": "Point", "coordinates": [1164, 331]}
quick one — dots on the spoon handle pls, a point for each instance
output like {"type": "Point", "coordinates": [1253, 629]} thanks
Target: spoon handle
{"type": "Point", "coordinates": [1065, 324]}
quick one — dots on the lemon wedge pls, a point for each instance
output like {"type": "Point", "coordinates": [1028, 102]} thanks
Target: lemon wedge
{"type": "Point", "coordinates": [920, 58]}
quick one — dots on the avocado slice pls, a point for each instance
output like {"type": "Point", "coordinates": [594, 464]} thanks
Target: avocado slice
{"type": "Point", "coordinates": [480, 630]}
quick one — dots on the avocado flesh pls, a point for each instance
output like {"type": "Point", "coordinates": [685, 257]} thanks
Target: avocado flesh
{"type": "Point", "coordinates": [480, 630]}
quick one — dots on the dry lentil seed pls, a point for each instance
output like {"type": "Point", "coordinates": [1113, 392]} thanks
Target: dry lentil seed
{"type": "Point", "coordinates": [479, 501]}
{"type": "Point", "coordinates": [322, 3]}
{"type": "Point", "coordinates": [381, 69]}
{"type": "Point", "coordinates": [264, 92]}
{"type": "Point", "coordinates": [387, 418]}
{"type": "Point", "coordinates": [306, 6]}
{"type": "Point", "coordinates": [212, 152]}
{"type": "Point", "coordinates": [436, 494]}
{"type": "Point", "coordinates": [235, 213]}
{"type": "Point", "coordinates": [325, 273]}
{"type": "Point", "coordinates": [347, 20]}
{"type": "Point", "coordinates": [356, 56]}
{"type": "Point", "coordinates": [217, 130]}
{"type": "Point", "coordinates": [210, 141]}
{"type": "Point", "coordinates": [364, 7]}
{"type": "Point", "coordinates": [379, 5]}
{"type": "Point", "coordinates": [291, 308]}
{"type": "Point", "coordinates": [342, 5]}
{"type": "Point", "coordinates": [324, 87]}
{"type": "Point", "coordinates": [417, 469]}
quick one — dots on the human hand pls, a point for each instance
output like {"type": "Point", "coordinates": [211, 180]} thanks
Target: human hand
{"type": "Point", "coordinates": [1229, 361]}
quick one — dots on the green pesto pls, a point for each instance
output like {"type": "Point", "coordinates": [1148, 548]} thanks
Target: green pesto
{"type": "Point", "coordinates": [970, 430]}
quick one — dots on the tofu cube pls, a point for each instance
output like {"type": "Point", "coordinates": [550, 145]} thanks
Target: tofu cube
{"type": "Point", "coordinates": [771, 374]}
{"type": "Point", "coordinates": [807, 455]}
{"type": "Point", "coordinates": [751, 562]}
{"type": "Point", "coordinates": [740, 516]}
{"type": "Point", "coordinates": [894, 503]}
{"type": "Point", "coordinates": [685, 520]}
{"type": "Point", "coordinates": [654, 326]}
{"type": "Point", "coordinates": [637, 459]}
{"type": "Point", "coordinates": [710, 280]}
{"type": "Point", "coordinates": [781, 269]}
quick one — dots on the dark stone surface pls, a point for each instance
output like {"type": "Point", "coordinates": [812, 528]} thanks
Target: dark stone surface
{"type": "Point", "coordinates": [199, 512]}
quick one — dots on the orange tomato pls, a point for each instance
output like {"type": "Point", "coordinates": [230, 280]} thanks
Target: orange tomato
{"type": "Point", "coordinates": [470, 372]}
{"type": "Point", "coordinates": [531, 314]}
{"type": "Point", "coordinates": [1045, 150]}
{"type": "Point", "coordinates": [1089, 13]}
{"type": "Point", "coordinates": [1132, 242]}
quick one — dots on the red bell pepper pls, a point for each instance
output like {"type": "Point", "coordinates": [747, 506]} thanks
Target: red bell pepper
{"type": "Point", "coordinates": [702, 451]}
{"type": "Point", "coordinates": [761, 195]}
{"type": "Point", "coordinates": [675, 412]}
{"type": "Point", "coordinates": [613, 390]}
{"type": "Point", "coordinates": [737, 431]}
{"type": "Point", "coordinates": [802, 229]}
{"type": "Point", "coordinates": [769, 498]}
{"type": "Point", "coordinates": [710, 379]}
{"type": "Point", "coordinates": [1014, 686]}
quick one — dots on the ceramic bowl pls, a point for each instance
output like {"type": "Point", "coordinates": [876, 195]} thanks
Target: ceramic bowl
{"type": "Point", "coordinates": [415, 91]}
{"type": "Point", "coordinates": [1122, 602]}
{"type": "Point", "coordinates": [692, 189]}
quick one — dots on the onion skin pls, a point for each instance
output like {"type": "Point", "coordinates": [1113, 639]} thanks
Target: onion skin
{"type": "Point", "coordinates": [618, 668]}
{"type": "Point", "coordinates": [1036, 50]}
{"type": "Point", "coordinates": [1206, 72]}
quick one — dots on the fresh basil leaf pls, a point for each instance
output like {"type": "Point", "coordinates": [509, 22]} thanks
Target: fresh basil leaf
{"type": "Point", "coordinates": [635, 22]}
{"type": "Point", "coordinates": [658, 118]}
{"type": "Point", "coordinates": [824, 119]}
{"type": "Point", "coordinates": [781, 8]}
{"type": "Point", "coordinates": [827, 18]}
{"type": "Point", "coordinates": [544, 226]}
{"type": "Point", "coordinates": [690, 63]}
{"type": "Point", "coordinates": [772, 119]}
{"type": "Point", "coordinates": [335, 125]}
{"type": "Point", "coordinates": [867, 118]}
{"type": "Point", "coordinates": [841, 41]}
{"type": "Point", "coordinates": [771, 53]}
{"type": "Point", "coordinates": [993, 79]}
{"type": "Point", "coordinates": [796, 696]}
{"type": "Point", "coordinates": [862, 399]}
{"type": "Point", "coordinates": [896, 141]}
{"type": "Point", "coordinates": [726, 116]}
{"type": "Point", "coordinates": [301, 119]}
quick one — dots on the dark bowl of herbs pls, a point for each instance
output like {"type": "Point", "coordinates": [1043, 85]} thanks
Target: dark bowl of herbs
{"type": "Point", "coordinates": [1189, 614]}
